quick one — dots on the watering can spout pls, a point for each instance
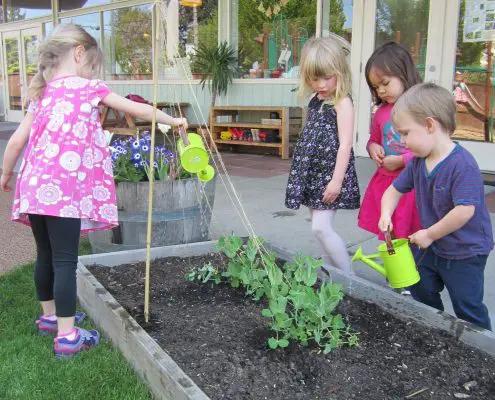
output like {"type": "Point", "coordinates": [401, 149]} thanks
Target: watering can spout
{"type": "Point", "coordinates": [368, 260]}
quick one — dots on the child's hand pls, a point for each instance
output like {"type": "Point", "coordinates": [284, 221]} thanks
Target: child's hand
{"type": "Point", "coordinates": [421, 238]}
{"type": "Point", "coordinates": [4, 182]}
{"type": "Point", "coordinates": [391, 163]}
{"type": "Point", "coordinates": [385, 223]}
{"type": "Point", "coordinates": [331, 192]}
{"type": "Point", "coordinates": [376, 153]}
{"type": "Point", "coordinates": [180, 122]}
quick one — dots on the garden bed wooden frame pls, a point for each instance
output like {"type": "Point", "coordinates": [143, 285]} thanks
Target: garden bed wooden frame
{"type": "Point", "coordinates": [166, 379]}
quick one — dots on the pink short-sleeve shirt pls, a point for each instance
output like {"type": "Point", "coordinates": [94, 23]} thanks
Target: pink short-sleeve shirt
{"type": "Point", "coordinates": [67, 168]}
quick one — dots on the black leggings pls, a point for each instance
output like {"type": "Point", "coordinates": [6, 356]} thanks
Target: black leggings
{"type": "Point", "coordinates": [57, 244]}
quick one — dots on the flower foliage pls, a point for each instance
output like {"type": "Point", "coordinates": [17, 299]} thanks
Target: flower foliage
{"type": "Point", "coordinates": [131, 161]}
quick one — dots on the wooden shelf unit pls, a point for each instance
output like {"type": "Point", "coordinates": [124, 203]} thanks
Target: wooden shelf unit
{"type": "Point", "coordinates": [224, 117]}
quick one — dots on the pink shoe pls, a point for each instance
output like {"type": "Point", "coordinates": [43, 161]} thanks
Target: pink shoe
{"type": "Point", "coordinates": [49, 327]}
{"type": "Point", "coordinates": [65, 348]}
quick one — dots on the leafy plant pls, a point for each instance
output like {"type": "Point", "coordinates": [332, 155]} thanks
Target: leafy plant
{"type": "Point", "coordinates": [218, 64]}
{"type": "Point", "coordinates": [296, 309]}
{"type": "Point", "coordinates": [131, 161]}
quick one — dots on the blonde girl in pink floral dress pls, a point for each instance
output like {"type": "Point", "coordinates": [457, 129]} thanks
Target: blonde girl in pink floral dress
{"type": "Point", "coordinates": [65, 184]}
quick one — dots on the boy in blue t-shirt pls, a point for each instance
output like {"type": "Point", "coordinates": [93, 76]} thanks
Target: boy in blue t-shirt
{"type": "Point", "coordinates": [457, 235]}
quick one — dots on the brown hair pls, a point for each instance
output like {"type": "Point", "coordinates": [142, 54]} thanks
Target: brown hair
{"type": "Point", "coordinates": [428, 100]}
{"type": "Point", "coordinates": [392, 59]}
{"type": "Point", "coordinates": [324, 56]}
{"type": "Point", "coordinates": [55, 47]}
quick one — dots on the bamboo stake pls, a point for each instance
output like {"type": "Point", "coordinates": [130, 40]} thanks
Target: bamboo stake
{"type": "Point", "coordinates": [152, 161]}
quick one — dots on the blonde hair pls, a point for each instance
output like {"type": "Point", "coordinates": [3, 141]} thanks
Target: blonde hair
{"type": "Point", "coordinates": [428, 100]}
{"type": "Point", "coordinates": [53, 50]}
{"type": "Point", "coordinates": [324, 57]}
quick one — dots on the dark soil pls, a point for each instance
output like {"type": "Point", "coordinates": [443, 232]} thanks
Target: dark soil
{"type": "Point", "coordinates": [218, 337]}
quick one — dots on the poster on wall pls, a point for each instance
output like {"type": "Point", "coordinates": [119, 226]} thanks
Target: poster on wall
{"type": "Point", "coordinates": [479, 21]}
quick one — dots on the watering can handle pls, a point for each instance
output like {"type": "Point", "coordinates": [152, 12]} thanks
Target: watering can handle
{"type": "Point", "coordinates": [183, 134]}
{"type": "Point", "coordinates": [388, 241]}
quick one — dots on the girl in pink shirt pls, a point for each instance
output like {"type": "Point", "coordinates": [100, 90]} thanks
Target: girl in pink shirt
{"type": "Point", "coordinates": [390, 71]}
{"type": "Point", "coordinates": [65, 184]}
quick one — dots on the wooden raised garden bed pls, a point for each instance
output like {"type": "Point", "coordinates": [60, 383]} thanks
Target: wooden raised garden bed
{"type": "Point", "coordinates": [209, 341]}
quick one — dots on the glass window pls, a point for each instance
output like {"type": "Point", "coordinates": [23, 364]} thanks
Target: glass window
{"type": "Point", "coordinates": [17, 10]}
{"type": "Point", "coordinates": [271, 36]}
{"type": "Point", "coordinates": [339, 19]}
{"type": "Point", "coordinates": [12, 55]}
{"type": "Point", "coordinates": [197, 25]}
{"type": "Point", "coordinates": [48, 28]}
{"type": "Point", "coordinates": [90, 22]}
{"type": "Point", "coordinates": [128, 43]}
{"type": "Point", "coordinates": [30, 43]}
{"type": "Point", "coordinates": [66, 5]}
{"type": "Point", "coordinates": [406, 22]}
{"type": "Point", "coordinates": [472, 84]}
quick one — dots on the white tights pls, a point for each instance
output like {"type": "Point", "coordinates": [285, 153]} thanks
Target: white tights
{"type": "Point", "coordinates": [335, 251]}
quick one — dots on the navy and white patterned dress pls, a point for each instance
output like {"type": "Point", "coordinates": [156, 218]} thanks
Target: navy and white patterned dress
{"type": "Point", "coordinates": [313, 163]}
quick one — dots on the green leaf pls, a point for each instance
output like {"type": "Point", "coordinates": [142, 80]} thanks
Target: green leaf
{"type": "Point", "coordinates": [283, 343]}
{"type": "Point", "coordinates": [272, 343]}
{"type": "Point", "coordinates": [338, 322]}
{"type": "Point", "coordinates": [278, 305]}
{"type": "Point", "coordinates": [251, 250]}
{"type": "Point", "coordinates": [266, 313]}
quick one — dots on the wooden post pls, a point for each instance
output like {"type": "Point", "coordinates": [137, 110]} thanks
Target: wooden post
{"type": "Point", "coordinates": [295, 37]}
{"type": "Point", "coordinates": [266, 32]}
{"type": "Point", "coordinates": [397, 36]}
{"type": "Point", "coordinates": [152, 160]}
{"type": "Point", "coordinates": [488, 89]}
{"type": "Point", "coordinates": [417, 44]}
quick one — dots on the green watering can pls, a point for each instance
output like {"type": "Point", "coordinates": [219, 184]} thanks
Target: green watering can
{"type": "Point", "coordinates": [398, 266]}
{"type": "Point", "coordinates": [194, 157]}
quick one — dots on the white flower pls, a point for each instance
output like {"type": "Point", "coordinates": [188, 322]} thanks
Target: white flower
{"type": "Point", "coordinates": [101, 193]}
{"type": "Point", "coordinates": [49, 194]}
{"type": "Point", "coordinates": [46, 101]}
{"type": "Point", "coordinates": [86, 205]}
{"type": "Point", "coordinates": [43, 140]}
{"type": "Point", "coordinates": [24, 205]}
{"type": "Point", "coordinates": [56, 121]}
{"type": "Point", "coordinates": [69, 212]}
{"type": "Point", "coordinates": [80, 130]}
{"type": "Point", "coordinates": [70, 160]}
{"type": "Point", "coordinates": [87, 159]}
{"type": "Point", "coordinates": [63, 108]}
{"type": "Point", "coordinates": [107, 166]}
{"type": "Point", "coordinates": [164, 128]}
{"type": "Point", "coordinates": [100, 138]}
{"type": "Point", "coordinates": [75, 82]}
{"type": "Point", "coordinates": [108, 136]}
{"type": "Point", "coordinates": [108, 211]}
{"type": "Point", "coordinates": [86, 108]}
{"type": "Point", "coordinates": [51, 150]}
{"type": "Point", "coordinates": [98, 156]}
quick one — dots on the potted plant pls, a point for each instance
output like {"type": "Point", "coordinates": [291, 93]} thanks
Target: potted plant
{"type": "Point", "coordinates": [218, 66]}
{"type": "Point", "coordinates": [181, 204]}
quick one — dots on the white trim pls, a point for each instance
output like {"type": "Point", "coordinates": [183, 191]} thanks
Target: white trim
{"type": "Point", "coordinates": [104, 7]}
{"type": "Point", "coordinates": [24, 24]}
{"type": "Point", "coordinates": [150, 82]}
{"type": "Point", "coordinates": [363, 32]}
{"type": "Point", "coordinates": [196, 81]}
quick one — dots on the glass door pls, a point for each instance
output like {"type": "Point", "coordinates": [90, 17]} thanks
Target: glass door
{"type": "Point", "coordinates": [20, 60]}
{"type": "Point", "coordinates": [414, 24]}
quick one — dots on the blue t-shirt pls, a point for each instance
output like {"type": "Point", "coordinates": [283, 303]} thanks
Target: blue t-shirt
{"type": "Point", "coordinates": [456, 180]}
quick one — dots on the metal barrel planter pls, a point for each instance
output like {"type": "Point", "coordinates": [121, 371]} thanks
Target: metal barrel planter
{"type": "Point", "coordinates": [181, 214]}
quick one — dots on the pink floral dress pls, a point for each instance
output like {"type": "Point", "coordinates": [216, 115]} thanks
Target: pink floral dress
{"type": "Point", "coordinates": [67, 169]}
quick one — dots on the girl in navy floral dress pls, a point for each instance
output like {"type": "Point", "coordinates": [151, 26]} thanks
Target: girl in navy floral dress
{"type": "Point", "coordinates": [323, 174]}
